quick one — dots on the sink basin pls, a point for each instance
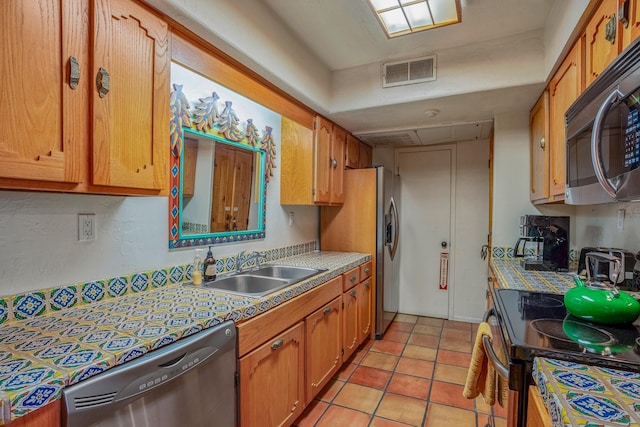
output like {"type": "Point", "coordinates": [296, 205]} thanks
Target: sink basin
{"type": "Point", "coordinates": [263, 281]}
{"type": "Point", "coordinates": [286, 272]}
{"type": "Point", "coordinates": [248, 284]}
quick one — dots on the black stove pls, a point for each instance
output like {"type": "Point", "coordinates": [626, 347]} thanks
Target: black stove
{"type": "Point", "coordinates": [538, 324]}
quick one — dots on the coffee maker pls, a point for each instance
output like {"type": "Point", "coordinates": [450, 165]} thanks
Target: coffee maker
{"type": "Point", "coordinates": [543, 243]}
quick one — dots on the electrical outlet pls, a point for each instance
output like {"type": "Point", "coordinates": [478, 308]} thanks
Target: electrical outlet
{"type": "Point", "coordinates": [86, 227]}
{"type": "Point", "coordinates": [620, 219]}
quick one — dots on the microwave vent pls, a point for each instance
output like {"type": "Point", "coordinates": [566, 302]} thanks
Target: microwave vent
{"type": "Point", "coordinates": [409, 72]}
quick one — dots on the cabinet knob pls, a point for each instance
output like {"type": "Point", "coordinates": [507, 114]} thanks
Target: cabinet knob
{"type": "Point", "coordinates": [352, 278]}
{"type": "Point", "coordinates": [353, 293]}
{"type": "Point", "coordinates": [277, 344]}
{"type": "Point", "coordinates": [74, 72]}
{"type": "Point", "coordinates": [102, 82]}
{"type": "Point", "coordinates": [333, 163]}
{"type": "Point", "coordinates": [367, 270]}
{"type": "Point", "coordinates": [367, 284]}
{"type": "Point", "coordinates": [542, 143]}
{"type": "Point", "coordinates": [327, 310]}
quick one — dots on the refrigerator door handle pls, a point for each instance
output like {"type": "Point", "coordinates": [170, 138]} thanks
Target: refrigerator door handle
{"type": "Point", "coordinates": [394, 213]}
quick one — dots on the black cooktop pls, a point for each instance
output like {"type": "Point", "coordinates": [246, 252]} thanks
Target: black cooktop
{"type": "Point", "coordinates": [538, 324]}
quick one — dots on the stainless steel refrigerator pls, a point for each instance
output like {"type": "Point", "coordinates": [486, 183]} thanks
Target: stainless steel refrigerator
{"type": "Point", "coordinates": [368, 222]}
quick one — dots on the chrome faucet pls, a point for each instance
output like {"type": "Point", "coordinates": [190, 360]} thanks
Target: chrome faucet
{"type": "Point", "coordinates": [243, 259]}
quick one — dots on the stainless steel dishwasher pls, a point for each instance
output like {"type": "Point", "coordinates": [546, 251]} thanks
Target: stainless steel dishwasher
{"type": "Point", "coordinates": [188, 383]}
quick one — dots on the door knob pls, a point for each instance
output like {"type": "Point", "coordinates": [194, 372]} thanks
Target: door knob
{"type": "Point", "coordinates": [443, 244]}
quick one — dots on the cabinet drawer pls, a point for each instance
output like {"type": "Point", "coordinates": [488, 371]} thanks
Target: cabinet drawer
{"type": "Point", "coordinates": [365, 270]}
{"type": "Point", "coordinates": [351, 278]}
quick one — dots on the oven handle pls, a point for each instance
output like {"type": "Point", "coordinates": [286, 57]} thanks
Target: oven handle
{"type": "Point", "coordinates": [487, 342]}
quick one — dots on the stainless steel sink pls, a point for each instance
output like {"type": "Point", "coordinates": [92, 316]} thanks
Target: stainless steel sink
{"type": "Point", "coordinates": [287, 272]}
{"type": "Point", "coordinates": [248, 284]}
{"type": "Point", "coordinates": [264, 280]}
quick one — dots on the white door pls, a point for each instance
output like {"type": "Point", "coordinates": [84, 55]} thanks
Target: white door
{"type": "Point", "coordinates": [427, 193]}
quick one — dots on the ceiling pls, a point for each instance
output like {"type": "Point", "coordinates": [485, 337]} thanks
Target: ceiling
{"type": "Point", "coordinates": [345, 33]}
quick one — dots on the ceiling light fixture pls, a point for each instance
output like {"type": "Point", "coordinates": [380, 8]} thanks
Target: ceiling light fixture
{"type": "Point", "coordinates": [400, 17]}
{"type": "Point", "coordinates": [431, 113]}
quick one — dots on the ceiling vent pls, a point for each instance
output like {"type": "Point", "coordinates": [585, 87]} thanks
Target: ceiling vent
{"type": "Point", "coordinates": [409, 72]}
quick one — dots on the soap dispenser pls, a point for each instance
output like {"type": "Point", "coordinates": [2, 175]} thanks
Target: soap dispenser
{"type": "Point", "coordinates": [196, 276]}
{"type": "Point", "coordinates": [209, 267]}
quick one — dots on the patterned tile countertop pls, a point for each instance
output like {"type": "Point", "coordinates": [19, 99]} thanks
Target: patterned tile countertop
{"type": "Point", "coordinates": [576, 395]}
{"type": "Point", "coordinates": [511, 275]}
{"type": "Point", "coordinates": [588, 396]}
{"type": "Point", "coordinates": [41, 356]}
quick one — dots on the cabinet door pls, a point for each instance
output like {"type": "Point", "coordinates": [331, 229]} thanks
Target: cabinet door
{"type": "Point", "coordinates": [296, 164]}
{"type": "Point", "coordinates": [322, 161]}
{"type": "Point", "coordinates": [338, 147]}
{"type": "Point", "coordinates": [601, 51]}
{"type": "Point", "coordinates": [271, 381]}
{"type": "Point", "coordinates": [130, 118]}
{"type": "Point", "coordinates": [366, 155]}
{"type": "Point", "coordinates": [539, 149]}
{"type": "Point", "coordinates": [324, 346]}
{"type": "Point", "coordinates": [350, 332]}
{"type": "Point", "coordinates": [634, 19]}
{"type": "Point", "coordinates": [364, 310]}
{"type": "Point", "coordinates": [41, 117]}
{"type": "Point", "coordinates": [353, 152]}
{"type": "Point", "coordinates": [564, 88]}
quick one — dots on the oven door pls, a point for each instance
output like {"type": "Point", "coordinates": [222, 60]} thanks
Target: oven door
{"type": "Point", "coordinates": [514, 373]}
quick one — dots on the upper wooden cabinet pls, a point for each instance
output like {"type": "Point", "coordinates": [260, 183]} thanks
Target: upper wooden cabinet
{"type": "Point", "coordinates": [353, 152]}
{"type": "Point", "coordinates": [564, 88]}
{"type": "Point", "coordinates": [603, 40]}
{"type": "Point", "coordinates": [366, 156]}
{"type": "Point", "coordinates": [87, 105]}
{"type": "Point", "coordinates": [131, 98]}
{"type": "Point", "coordinates": [312, 163]}
{"type": "Point", "coordinates": [539, 149]}
{"type": "Point", "coordinates": [41, 129]}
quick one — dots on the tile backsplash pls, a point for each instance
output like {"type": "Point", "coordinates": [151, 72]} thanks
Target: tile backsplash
{"type": "Point", "coordinates": [502, 252]}
{"type": "Point", "coordinates": [36, 303]}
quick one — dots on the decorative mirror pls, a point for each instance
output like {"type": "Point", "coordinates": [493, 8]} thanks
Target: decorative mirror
{"type": "Point", "coordinates": [220, 165]}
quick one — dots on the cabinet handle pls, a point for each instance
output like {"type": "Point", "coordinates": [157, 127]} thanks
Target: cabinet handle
{"type": "Point", "coordinates": [352, 278]}
{"type": "Point", "coordinates": [277, 344]}
{"type": "Point", "coordinates": [333, 163]}
{"type": "Point", "coordinates": [367, 270]}
{"type": "Point", "coordinates": [102, 82]}
{"type": "Point", "coordinates": [610, 29]}
{"type": "Point", "coordinates": [74, 72]}
{"type": "Point", "coordinates": [542, 143]}
{"type": "Point", "coordinates": [327, 310]}
{"type": "Point", "coordinates": [367, 284]}
{"type": "Point", "coordinates": [353, 293]}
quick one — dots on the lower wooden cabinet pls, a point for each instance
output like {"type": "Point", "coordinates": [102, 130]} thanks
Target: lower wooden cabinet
{"type": "Point", "coordinates": [537, 414]}
{"type": "Point", "coordinates": [47, 416]}
{"type": "Point", "coordinates": [364, 309]}
{"type": "Point", "coordinates": [350, 330]}
{"type": "Point", "coordinates": [272, 381]}
{"type": "Point", "coordinates": [323, 346]}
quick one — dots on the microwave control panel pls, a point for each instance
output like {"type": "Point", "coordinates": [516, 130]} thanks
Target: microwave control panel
{"type": "Point", "coordinates": [632, 137]}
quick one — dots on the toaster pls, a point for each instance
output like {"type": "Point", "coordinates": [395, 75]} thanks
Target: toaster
{"type": "Point", "coordinates": [627, 262]}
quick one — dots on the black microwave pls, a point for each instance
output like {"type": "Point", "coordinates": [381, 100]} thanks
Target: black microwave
{"type": "Point", "coordinates": [603, 135]}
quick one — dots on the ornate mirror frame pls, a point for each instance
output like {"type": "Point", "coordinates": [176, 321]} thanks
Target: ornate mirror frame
{"type": "Point", "coordinates": [205, 121]}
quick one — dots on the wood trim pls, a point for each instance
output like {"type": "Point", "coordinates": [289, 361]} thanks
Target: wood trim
{"type": "Point", "coordinates": [203, 58]}
{"type": "Point", "coordinates": [260, 329]}
{"type": "Point", "coordinates": [47, 416]}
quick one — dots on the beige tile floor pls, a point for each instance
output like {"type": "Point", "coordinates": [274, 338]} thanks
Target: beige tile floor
{"type": "Point", "coordinates": [412, 377]}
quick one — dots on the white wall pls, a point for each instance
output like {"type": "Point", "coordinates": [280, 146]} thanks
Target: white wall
{"type": "Point", "coordinates": [471, 224]}
{"type": "Point", "coordinates": [596, 225]}
{"type": "Point", "coordinates": [510, 175]}
{"type": "Point", "coordinates": [39, 247]}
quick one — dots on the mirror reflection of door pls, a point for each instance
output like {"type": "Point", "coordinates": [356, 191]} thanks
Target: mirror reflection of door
{"type": "Point", "coordinates": [232, 178]}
